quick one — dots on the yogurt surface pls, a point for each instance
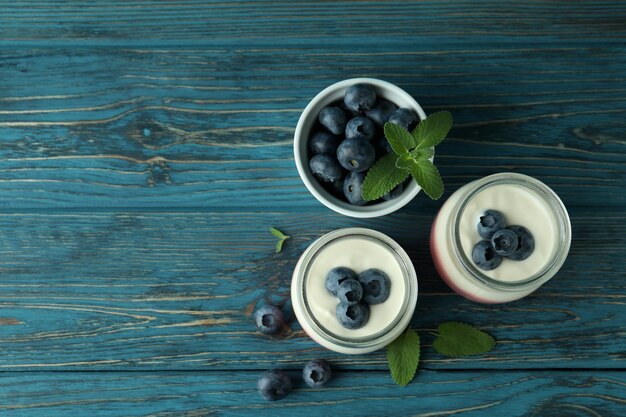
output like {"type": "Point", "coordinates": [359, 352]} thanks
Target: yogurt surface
{"type": "Point", "coordinates": [519, 206]}
{"type": "Point", "coordinates": [357, 254]}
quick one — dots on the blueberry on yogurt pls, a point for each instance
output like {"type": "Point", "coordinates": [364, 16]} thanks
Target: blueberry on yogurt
{"type": "Point", "coordinates": [353, 316]}
{"type": "Point", "coordinates": [336, 276]}
{"type": "Point", "coordinates": [525, 243]}
{"type": "Point", "coordinates": [376, 286]}
{"type": "Point", "coordinates": [350, 292]}
{"type": "Point", "coordinates": [485, 257]}
{"type": "Point", "coordinates": [489, 223]}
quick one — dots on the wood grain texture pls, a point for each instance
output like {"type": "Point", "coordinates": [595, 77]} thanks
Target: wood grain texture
{"type": "Point", "coordinates": [213, 127]}
{"type": "Point", "coordinates": [359, 394]}
{"type": "Point", "coordinates": [176, 290]}
{"type": "Point", "coordinates": [146, 146]}
{"type": "Point", "coordinates": [193, 20]}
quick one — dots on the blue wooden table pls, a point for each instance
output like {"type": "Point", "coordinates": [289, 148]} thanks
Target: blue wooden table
{"type": "Point", "coordinates": [146, 147]}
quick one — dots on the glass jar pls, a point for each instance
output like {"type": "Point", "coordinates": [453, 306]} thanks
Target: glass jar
{"type": "Point", "coordinates": [358, 249]}
{"type": "Point", "coordinates": [516, 196]}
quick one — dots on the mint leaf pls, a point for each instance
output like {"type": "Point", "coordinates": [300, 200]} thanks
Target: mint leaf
{"type": "Point", "coordinates": [281, 238]}
{"type": "Point", "coordinates": [433, 129]}
{"type": "Point", "coordinates": [382, 177]}
{"type": "Point", "coordinates": [405, 161]}
{"type": "Point", "coordinates": [399, 138]}
{"type": "Point", "coordinates": [403, 356]}
{"type": "Point", "coordinates": [458, 339]}
{"type": "Point", "coordinates": [425, 153]}
{"type": "Point", "coordinates": [427, 176]}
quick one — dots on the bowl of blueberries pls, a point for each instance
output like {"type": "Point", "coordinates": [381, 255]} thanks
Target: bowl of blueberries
{"type": "Point", "coordinates": [340, 136]}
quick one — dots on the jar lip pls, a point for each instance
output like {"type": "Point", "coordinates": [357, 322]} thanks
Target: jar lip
{"type": "Point", "coordinates": [384, 336]}
{"type": "Point", "coordinates": [553, 202]}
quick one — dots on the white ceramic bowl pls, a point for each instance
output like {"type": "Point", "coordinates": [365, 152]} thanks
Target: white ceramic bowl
{"type": "Point", "coordinates": [307, 120]}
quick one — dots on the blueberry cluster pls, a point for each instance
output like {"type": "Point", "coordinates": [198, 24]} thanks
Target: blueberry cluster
{"type": "Point", "coordinates": [356, 292]}
{"type": "Point", "coordinates": [349, 139]}
{"type": "Point", "coordinates": [513, 242]}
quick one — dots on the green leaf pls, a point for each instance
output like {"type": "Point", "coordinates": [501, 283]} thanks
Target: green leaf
{"type": "Point", "coordinates": [425, 153]}
{"type": "Point", "coordinates": [281, 238]}
{"type": "Point", "coordinates": [278, 233]}
{"type": "Point", "coordinates": [433, 129]}
{"type": "Point", "coordinates": [405, 161]}
{"type": "Point", "coordinates": [403, 356]}
{"type": "Point", "coordinates": [427, 176]}
{"type": "Point", "coordinates": [399, 138]}
{"type": "Point", "coordinates": [458, 339]}
{"type": "Point", "coordinates": [382, 177]}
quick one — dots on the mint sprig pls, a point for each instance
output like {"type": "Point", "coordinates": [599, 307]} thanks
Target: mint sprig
{"type": "Point", "coordinates": [281, 238]}
{"type": "Point", "coordinates": [403, 356]}
{"type": "Point", "coordinates": [412, 154]}
{"type": "Point", "coordinates": [456, 339]}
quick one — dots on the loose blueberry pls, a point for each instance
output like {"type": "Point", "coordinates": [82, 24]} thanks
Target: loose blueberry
{"type": "Point", "coordinates": [376, 286]}
{"type": "Point", "coordinates": [269, 319]}
{"type": "Point", "coordinates": [274, 385]}
{"type": "Point", "coordinates": [359, 97]}
{"type": "Point", "coordinates": [336, 276]}
{"type": "Point", "coordinates": [485, 257]}
{"type": "Point", "coordinates": [323, 142]}
{"type": "Point", "coordinates": [525, 243]}
{"type": "Point", "coordinates": [353, 316]}
{"type": "Point", "coordinates": [333, 119]}
{"type": "Point", "coordinates": [356, 155]}
{"type": "Point", "coordinates": [326, 168]}
{"type": "Point", "coordinates": [504, 242]}
{"type": "Point", "coordinates": [353, 187]}
{"type": "Point", "coordinates": [382, 146]}
{"type": "Point", "coordinates": [316, 373]}
{"type": "Point", "coordinates": [350, 291]}
{"type": "Point", "coordinates": [395, 193]}
{"type": "Point", "coordinates": [381, 112]}
{"type": "Point", "coordinates": [406, 118]}
{"type": "Point", "coordinates": [360, 128]}
{"type": "Point", "coordinates": [489, 223]}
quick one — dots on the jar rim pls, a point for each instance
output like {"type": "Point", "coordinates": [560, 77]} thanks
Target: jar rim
{"type": "Point", "coordinates": [552, 201]}
{"type": "Point", "coordinates": [366, 343]}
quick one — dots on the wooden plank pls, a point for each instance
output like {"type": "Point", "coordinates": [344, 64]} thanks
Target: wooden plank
{"type": "Point", "coordinates": [359, 394]}
{"type": "Point", "coordinates": [281, 21]}
{"type": "Point", "coordinates": [212, 127]}
{"type": "Point", "coordinates": [176, 290]}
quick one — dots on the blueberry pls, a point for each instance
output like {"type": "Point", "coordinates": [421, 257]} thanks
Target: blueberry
{"type": "Point", "coordinates": [376, 286]}
{"type": "Point", "coordinates": [359, 97]}
{"type": "Point", "coordinates": [326, 168]}
{"type": "Point", "coordinates": [353, 316]}
{"type": "Point", "coordinates": [335, 188]}
{"type": "Point", "coordinates": [356, 155]}
{"type": "Point", "coordinates": [395, 193]}
{"type": "Point", "coordinates": [350, 291]}
{"type": "Point", "coordinates": [324, 142]}
{"type": "Point", "coordinates": [504, 242]}
{"type": "Point", "coordinates": [485, 257]}
{"type": "Point", "coordinates": [316, 373]}
{"type": "Point", "coordinates": [269, 319]}
{"type": "Point", "coordinates": [525, 243]}
{"type": "Point", "coordinates": [333, 119]}
{"type": "Point", "coordinates": [360, 128]}
{"type": "Point", "coordinates": [382, 146]}
{"type": "Point", "coordinates": [336, 276]}
{"type": "Point", "coordinates": [274, 384]}
{"type": "Point", "coordinates": [381, 112]}
{"type": "Point", "coordinates": [489, 223]}
{"type": "Point", "coordinates": [406, 118]}
{"type": "Point", "coordinates": [352, 188]}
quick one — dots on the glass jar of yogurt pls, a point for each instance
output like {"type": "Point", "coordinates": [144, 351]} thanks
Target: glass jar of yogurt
{"type": "Point", "coordinates": [524, 201]}
{"type": "Point", "coordinates": [358, 249]}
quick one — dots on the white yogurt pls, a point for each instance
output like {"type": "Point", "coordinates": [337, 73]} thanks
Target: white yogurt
{"type": "Point", "coordinates": [357, 254]}
{"type": "Point", "coordinates": [523, 201]}
{"type": "Point", "coordinates": [358, 249]}
{"type": "Point", "coordinates": [520, 207]}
